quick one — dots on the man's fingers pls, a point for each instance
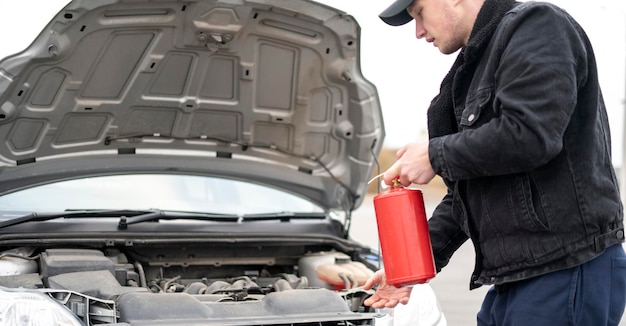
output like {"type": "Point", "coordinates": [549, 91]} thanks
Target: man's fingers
{"type": "Point", "coordinates": [400, 152]}
{"type": "Point", "coordinates": [374, 279]}
{"type": "Point", "coordinates": [382, 303]}
{"type": "Point", "coordinates": [370, 283]}
{"type": "Point", "coordinates": [391, 173]}
{"type": "Point", "coordinates": [391, 303]}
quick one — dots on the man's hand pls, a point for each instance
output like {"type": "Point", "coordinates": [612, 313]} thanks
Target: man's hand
{"type": "Point", "coordinates": [412, 166]}
{"type": "Point", "coordinates": [386, 296]}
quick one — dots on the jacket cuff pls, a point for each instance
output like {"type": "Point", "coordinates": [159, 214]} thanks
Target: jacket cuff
{"type": "Point", "coordinates": [436, 157]}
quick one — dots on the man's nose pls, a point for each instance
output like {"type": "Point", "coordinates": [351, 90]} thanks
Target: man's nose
{"type": "Point", "coordinates": [420, 32]}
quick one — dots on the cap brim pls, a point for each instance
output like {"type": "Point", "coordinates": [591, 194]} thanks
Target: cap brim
{"type": "Point", "coordinates": [396, 14]}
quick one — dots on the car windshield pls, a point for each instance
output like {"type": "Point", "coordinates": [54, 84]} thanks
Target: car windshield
{"type": "Point", "coordinates": [151, 191]}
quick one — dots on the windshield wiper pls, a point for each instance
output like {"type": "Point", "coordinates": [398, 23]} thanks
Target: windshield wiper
{"type": "Point", "coordinates": [173, 215]}
{"type": "Point", "coordinates": [45, 216]}
{"type": "Point", "coordinates": [157, 214]}
{"type": "Point", "coordinates": [128, 217]}
{"type": "Point", "coordinates": [283, 216]}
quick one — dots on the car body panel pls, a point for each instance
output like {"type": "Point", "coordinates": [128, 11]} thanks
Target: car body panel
{"type": "Point", "coordinates": [218, 85]}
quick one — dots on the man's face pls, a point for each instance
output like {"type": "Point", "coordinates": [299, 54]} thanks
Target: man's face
{"type": "Point", "coordinates": [438, 21]}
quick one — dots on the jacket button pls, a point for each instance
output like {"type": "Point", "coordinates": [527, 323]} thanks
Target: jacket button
{"type": "Point", "coordinates": [471, 117]}
{"type": "Point", "coordinates": [620, 234]}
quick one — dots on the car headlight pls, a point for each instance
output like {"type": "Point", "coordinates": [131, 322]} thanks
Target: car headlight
{"type": "Point", "coordinates": [33, 309]}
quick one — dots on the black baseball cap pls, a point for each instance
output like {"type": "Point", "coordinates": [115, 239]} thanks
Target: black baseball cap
{"type": "Point", "coordinates": [396, 14]}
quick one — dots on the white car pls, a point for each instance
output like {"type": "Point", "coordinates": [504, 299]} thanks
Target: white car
{"type": "Point", "coordinates": [189, 163]}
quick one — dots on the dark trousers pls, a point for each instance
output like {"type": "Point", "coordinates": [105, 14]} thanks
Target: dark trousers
{"type": "Point", "coordinates": [593, 294]}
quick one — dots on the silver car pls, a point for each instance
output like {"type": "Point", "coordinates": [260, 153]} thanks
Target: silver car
{"type": "Point", "coordinates": [188, 163]}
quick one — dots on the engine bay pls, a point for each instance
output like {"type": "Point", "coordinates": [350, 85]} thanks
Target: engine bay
{"type": "Point", "coordinates": [140, 285]}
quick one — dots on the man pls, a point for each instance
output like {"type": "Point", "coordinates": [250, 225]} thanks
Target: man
{"type": "Point", "coordinates": [520, 135]}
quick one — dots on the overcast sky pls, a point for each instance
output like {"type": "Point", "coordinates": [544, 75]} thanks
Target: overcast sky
{"type": "Point", "coordinates": [406, 71]}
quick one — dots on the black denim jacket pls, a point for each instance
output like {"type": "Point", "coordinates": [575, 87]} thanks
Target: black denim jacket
{"type": "Point", "coordinates": [529, 173]}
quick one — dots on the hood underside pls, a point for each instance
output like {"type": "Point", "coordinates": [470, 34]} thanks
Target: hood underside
{"type": "Point", "coordinates": [266, 90]}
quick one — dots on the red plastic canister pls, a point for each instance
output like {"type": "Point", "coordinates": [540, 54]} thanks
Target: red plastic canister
{"type": "Point", "coordinates": [403, 234]}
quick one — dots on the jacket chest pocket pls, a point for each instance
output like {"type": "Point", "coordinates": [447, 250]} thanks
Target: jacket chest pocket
{"type": "Point", "coordinates": [476, 111]}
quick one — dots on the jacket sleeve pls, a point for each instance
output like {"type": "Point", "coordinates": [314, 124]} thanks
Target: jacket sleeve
{"type": "Point", "coordinates": [446, 234]}
{"type": "Point", "coordinates": [541, 61]}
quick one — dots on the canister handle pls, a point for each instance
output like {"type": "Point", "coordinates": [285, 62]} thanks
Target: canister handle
{"type": "Point", "coordinates": [395, 182]}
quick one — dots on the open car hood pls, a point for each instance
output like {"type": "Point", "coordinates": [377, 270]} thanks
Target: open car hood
{"type": "Point", "coordinates": [263, 90]}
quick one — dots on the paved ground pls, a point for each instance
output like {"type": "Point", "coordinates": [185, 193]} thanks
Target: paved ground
{"type": "Point", "coordinates": [451, 286]}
